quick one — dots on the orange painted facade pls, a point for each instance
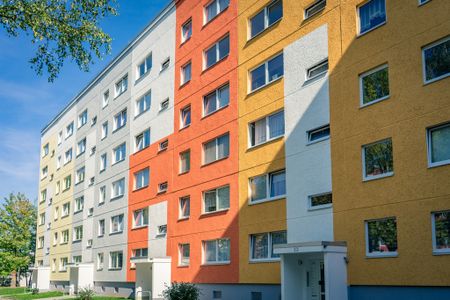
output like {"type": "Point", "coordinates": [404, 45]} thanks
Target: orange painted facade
{"type": "Point", "coordinates": [224, 224]}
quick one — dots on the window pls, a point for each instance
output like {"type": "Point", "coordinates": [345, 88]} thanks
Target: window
{"type": "Point", "coordinates": [142, 252]}
{"type": "Point", "coordinates": [378, 160]}
{"type": "Point", "coordinates": [90, 211]}
{"type": "Point", "coordinates": [163, 145]}
{"type": "Point", "coordinates": [217, 52]}
{"type": "Point", "coordinates": [79, 204]}
{"type": "Point", "coordinates": [64, 236]}
{"type": "Point", "coordinates": [185, 116]}
{"type": "Point", "coordinates": [69, 130]}
{"type": "Point", "coordinates": [103, 162]}
{"type": "Point", "coordinates": [99, 261]}
{"type": "Point", "coordinates": [162, 230]}
{"type": "Point", "coordinates": [436, 60]}
{"type": "Point", "coordinates": [141, 179]}
{"type": "Point", "coordinates": [319, 134]}
{"type": "Point", "coordinates": [320, 201]}
{"type": "Point", "coordinates": [55, 238]}
{"type": "Point", "coordinates": [94, 121]}
{"type": "Point", "coordinates": [44, 172]}
{"type": "Point", "coordinates": [45, 150]}
{"type": "Point", "coordinates": [115, 260]}
{"type": "Point", "coordinates": [58, 187]}
{"type": "Point", "coordinates": [43, 195]}
{"type": "Point", "coordinates": [164, 105]}
{"type": "Point", "coordinates": [77, 233]}
{"type": "Point", "coordinates": [372, 14]}
{"type": "Point", "coordinates": [216, 100]}
{"type": "Point", "coordinates": [81, 147]}
{"type": "Point", "coordinates": [441, 231]}
{"type": "Point", "coordinates": [63, 264]}
{"type": "Point", "coordinates": [186, 31]}
{"type": "Point", "coordinates": [317, 70]}
{"type": "Point", "coordinates": [68, 156]}
{"type": "Point", "coordinates": [439, 145]}
{"type": "Point", "coordinates": [42, 219]}
{"type": "Point", "coordinates": [122, 85]}
{"type": "Point", "coordinates": [143, 104]}
{"type": "Point", "coordinates": [261, 245]}
{"type": "Point", "coordinates": [266, 129]}
{"type": "Point", "coordinates": [40, 242]}
{"type": "Point", "coordinates": [140, 218]}
{"type": "Point", "coordinates": [80, 175]}
{"type": "Point", "coordinates": [185, 207]}
{"type": "Point", "coordinates": [82, 118]}
{"type": "Point", "coordinates": [102, 195]}
{"type": "Point", "coordinates": [185, 73]}
{"type": "Point", "coordinates": [267, 72]}
{"type": "Point", "coordinates": [56, 213]}
{"type": "Point", "coordinates": [315, 8]}
{"type": "Point", "coordinates": [268, 186]}
{"type": "Point", "coordinates": [60, 135]}
{"type": "Point", "coordinates": [144, 66]}
{"type": "Point", "coordinates": [216, 149]}
{"type": "Point", "coordinates": [104, 130]}
{"type": "Point", "coordinates": [162, 187]}
{"type": "Point", "coordinates": [185, 161]}
{"type": "Point", "coordinates": [116, 224]}
{"type": "Point", "coordinates": [216, 251]}
{"type": "Point", "coordinates": [165, 64]}
{"type": "Point", "coordinates": [142, 140]}
{"type": "Point", "coordinates": [381, 237]}
{"type": "Point", "coordinates": [101, 227]}
{"type": "Point", "coordinates": [119, 153]}
{"type": "Point", "coordinates": [120, 120]}
{"type": "Point", "coordinates": [93, 149]}
{"type": "Point", "coordinates": [423, 1]}
{"type": "Point", "coordinates": [58, 162]}
{"type": "Point", "coordinates": [268, 16]}
{"type": "Point", "coordinates": [214, 8]}
{"type": "Point", "coordinates": [118, 188]}
{"type": "Point", "coordinates": [67, 182]}
{"type": "Point", "coordinates": [65, 209]}
{"type": "Point", "coordinates": [185, 254]}
{"type": "Point", "coordinates": [374, 85]}
{"type": "Point", "coordinates": [216, 199]}
{"type": "Point", "coordinates": [105, 99]}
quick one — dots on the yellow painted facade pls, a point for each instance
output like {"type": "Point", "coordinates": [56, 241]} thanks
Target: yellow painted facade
{"type": "Point", "coordinates": [415, 190]}
{"type": "Point", "coordinates": [268, 216]}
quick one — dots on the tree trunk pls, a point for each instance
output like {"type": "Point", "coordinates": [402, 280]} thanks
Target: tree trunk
{"type": "Point", "coordinates": [13, 279]}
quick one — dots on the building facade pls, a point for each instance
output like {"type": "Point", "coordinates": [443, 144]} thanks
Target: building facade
{"type": "Point", "coordinates": [261, 150]}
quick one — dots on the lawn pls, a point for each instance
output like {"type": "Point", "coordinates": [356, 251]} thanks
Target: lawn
{"type": "Point", "coordinates": [107, 298]}
{"type": "Point", "coordinates": [36, 296]}
{"type": "Point", "coordinates": [11, 291]}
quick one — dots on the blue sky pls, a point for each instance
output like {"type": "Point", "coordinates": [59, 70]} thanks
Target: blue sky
{"type": "Point", "coordinates": [28, 102]}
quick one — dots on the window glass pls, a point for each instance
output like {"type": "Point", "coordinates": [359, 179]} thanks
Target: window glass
{"type": "Point", "coordinates": [185, 116]}
{"type": "Point", "coordinates": [441, 223]}
{"type": "Point", "coordinates": [186, 31]}
{"type": "Point", "coordinates": [315, 8]}
{"type": "Point", "coordinates": [257, 23]}
{"type": "Point", "coordinates": [320, 200]}
{"type": "Point", "coordinates": [378, 159]}
{"type": "Point", "coordinates": [141, 178]}
{"type": "Point", "coordinates": [258, 188]}
{"type": "Point", "coordinates": [277, 183]}
{"type": "Point", "coordinates": [185, 254]}
{"type": "Point", "coordinates": [317, 70]}
{"type": "Point", "coordinates": [185, 207]}
{"type": "Point", "coordinates": [276, 125]}
{"type": "Point", "coordinates": [439, 144]}
{"type": "Point", "coordinates": [185, 161]}
{"type": "Point", "coordinates": [371, 15]}
{"type": "Point", "coordinates": [381, 236]}
{"type": "Point", "coordinates": [437, 60]}
{"type": "Point", "coordinates": [275, 12]}
{"type": "Point", "coordinates": [319, 134]}
{"type": "Point", "coordinates": [375, 85]}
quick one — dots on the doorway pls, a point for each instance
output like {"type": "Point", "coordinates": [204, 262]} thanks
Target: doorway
{"type": "Point", "coordinates": [315, 280]}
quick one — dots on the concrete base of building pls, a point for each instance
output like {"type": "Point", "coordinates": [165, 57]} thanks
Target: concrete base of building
{"type": "Point", "coordinates": [397, 292]}
{"type": "Point", "coordinates": [62, 286]}
{"type": "Point", "coordinates": [240, 291]}
{"type": "Point", "coordinates": [118, 289]}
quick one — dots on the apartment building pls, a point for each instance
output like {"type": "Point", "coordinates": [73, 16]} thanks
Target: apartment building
{"type": "Point", "coordinates": [261, 150]}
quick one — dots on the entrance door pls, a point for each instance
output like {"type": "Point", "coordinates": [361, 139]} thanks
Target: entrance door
{"type": "Point", "coordinates": [316, 280]}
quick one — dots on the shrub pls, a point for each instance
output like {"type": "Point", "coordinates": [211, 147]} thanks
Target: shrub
{"type": "Point", "coordinates": [86, 293]}
{"type": "Point", "coordinates": [34, 291]}
{"type": "Point", "coordinates": [181, 291]}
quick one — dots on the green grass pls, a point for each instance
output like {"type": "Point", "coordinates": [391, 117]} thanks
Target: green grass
{"type": "Point", "coordinates": [105, 298]}
{"type": "Point", "coordinates": [11, 291]}
{"type": "Point", "coordinates": [36, 296]}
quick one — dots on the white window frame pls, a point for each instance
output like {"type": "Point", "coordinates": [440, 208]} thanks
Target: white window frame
{"type": "Point", "coordinates": [68, 156]}
{"type": "Point", "coordinates": [266, 71]}
{"type": "Point", "coordinates": [182, 111]}
{"type": "Point", "coordinates": [144, 212]}
{"type": "Point", "coordinates": [216, 45]}
{"type": "Point", "coordinates": [429, 143]}
{"type": "Point", "coordinates": [361, 86]}
{"type": "Point", "coordinates": [119, 181]}
{"type": "Point", "coordinates": [366, 234]}
{"type": "Point", "coordinates": [216, 262]}
{"type": "Point", "coordinates": [103, 161]}
{"type": "Point", "coordinates": [120, 224]}
{"type": "Point", "coordinates": [67, 182]}
{"type": "Point", "coordinates": [81, 147]}
{"type": "Point", "coordinates": [45, 150]}
{"type": "Point", "coordinates": [433, 229]}
{"type": "Point", "coordinates": [165, 64]}
{"type": "Point", "coordinates": [181, 215]}
{"type": "Point", "coordinates": [323, 62]}
{"type": "Point", "coordinates": [119, 266]}
{"type": "Point", "coordinates": [101, 228]}
{"type": "Point", "coordinates": [161, 230]}
{"type": "Point", "coordinates": [142, 185]}
{"type": "Point", "coordinates": [216, 92]}
{"type": "Point", "coordinates": [80, 175]}
{"type": "Point", "coordinates": [184, 38]}
{"type": "Point", "coordinates": [182, 155]}
{"type": "Point", "coordinates": [69, 130]}
{"type": "Point", "coordinates": [105, 99]}
{"type": "Point", "coordinates": [64, 237]}
{"type": "Point", "coordinates": [100, 261]}
{"type": "Point", "coordinates": [268, 186]}
{"type": "Point", "coordinates": [104, 130]}
{"type": "Point", "coordinates": [82, 118]}
{"type": "Point", "coordinates": [424, 70]}
{"type": "Point", "coordinates": [65, 209]}
{"type": "Point", "coordinates": [144, 145]}
{"type": "Point", "coordinates": [163, 145]}
{"type": "Point", "coordinates": [183, 78]}
{"type": "Point", "coordinates": [147, 68]}
{"type": "Point", "coordinates": [266, 20]}
{"type": "Point", "coordinates": [163, 187]}
{"type": "Point", "coordinates": [143, 99]}
{"type": "Point", "coordinates": [363, 158]}
{"type": "Point", "coordinates": [63, 262]}
{"type": "Point", "coordinates": [268, 139]}
{"type": "Point", "coordinates": [323, 206]}
{"type": "Point", "coordinates": [269, 258]}
{"type": "Point", "coordinates": [118, 149]}
{"type": "Point", "coordinates": [77, 233]}
{"type": "Point", "coordinates": [121, 86]}
{"type": "Point", "coordinates": [163, 106]}
{"type": "Point", "coordinates": [359, 20]}
{"type": "Point", "coordinates": [423, 2]}
{"type": "Point", "coordinates": [216, 140]}
{"type": "Point", "coordinates": [312, 131]}
{"type": "Point", "coordinates": [79, 204]}
{"type": "Point", "coordinates": [216, 190]}
{"type": "Point", "coordinates": [182, 260]}
{"type": "Point", "coordinates": [316, 3]}
{"type": "Point", "coordinates": [218, 11]}
{"type": "Point", "coordinates": [102, 194]}
{"type": "Point", "coordinates": [120, 120]}
{"type": "Point", "coordinates": [55, 238]}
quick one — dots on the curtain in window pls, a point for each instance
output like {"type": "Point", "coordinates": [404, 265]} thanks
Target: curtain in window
{"type": "Point", "coordinates": [185, 207]}
{"type": "Point", "coordinates": [258, 188]}
{"type": "Point", "coordinates": [440, 144]}
{"type": "Point", "coordinates": [138, 217]}
{"type": "Point", "coordinates": [223, 4]}
{"type": "Point", "coordinates": [211, 11]}
{"type": "Point", "coordinates": [223, 250]}
{"type": "Point", "coordinates": [372, 14]}
{"type": "Point", "coordinates": [210, 151]}
{"type": "Point", "coordinates": [277, 184]}
{"type": "Point", "coordinates": [223, 146]}
{"type": "Point", "coordinates": [210, 103]}
{"type": "Point", "coordinates": [260, 246]}
{"type": "Point", "coordinates": [224, 197]}
{"type": "Point", "coordinates": [210, 251]}
{"type": "Point", "coordinates": [276, 125]}
{"type": "Point", "coordinates": [259, 132]}
{"type": "Point", "coordinates": [210, 201]}
{"type": "Point", "coordinates": [278, 238]}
